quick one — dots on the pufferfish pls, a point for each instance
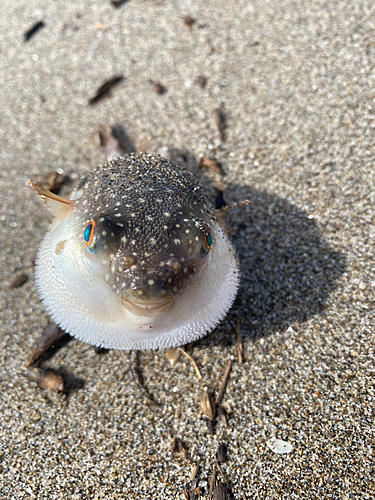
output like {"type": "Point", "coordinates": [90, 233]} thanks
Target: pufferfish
{"type": "Point", "coordinates": [136, 258]}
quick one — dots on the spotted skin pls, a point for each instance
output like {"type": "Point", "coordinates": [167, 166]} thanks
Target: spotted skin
{"type": "Point", "coordinates": [150, 219]}
{"type": "Point", "coordinates": [137, 258]}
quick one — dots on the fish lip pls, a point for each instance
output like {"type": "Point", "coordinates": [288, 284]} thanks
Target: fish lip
{"type": "Point", "coordinates": [149, 310]}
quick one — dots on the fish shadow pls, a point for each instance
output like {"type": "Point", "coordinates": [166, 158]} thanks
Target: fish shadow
{"type": "Point", "coordinates": [288, 269]}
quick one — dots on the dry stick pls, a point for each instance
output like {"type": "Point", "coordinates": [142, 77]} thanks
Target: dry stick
{"type": "Point", "coordinates": [192, 361]}
{"type": "Point", "coordinates": [193, 482]}
{"type": "Point", "coordinates": [239, 342]}
{"type": "Point", "coordinates": [193, 473]}
{"type": "Point", "coordinates": [138, 382]}
{"type": "Point", "coordinates": [53, 334]}
{"type": "Point", "coordinates": [212, 483]}
{"type": "Point", "coordinates": [223, 384]}
{"type": "Point", "coordinates": [219, 468]}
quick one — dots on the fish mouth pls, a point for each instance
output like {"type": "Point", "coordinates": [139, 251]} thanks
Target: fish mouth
{"type": "Point", "coordinates": [150, 309]}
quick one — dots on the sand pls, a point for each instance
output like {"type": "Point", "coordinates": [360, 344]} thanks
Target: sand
{"type": "Point", "coordinates": [295, 80]}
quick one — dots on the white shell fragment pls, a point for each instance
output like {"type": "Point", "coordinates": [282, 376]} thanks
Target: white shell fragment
{"type": "Point", "coordinates": [279, 446]}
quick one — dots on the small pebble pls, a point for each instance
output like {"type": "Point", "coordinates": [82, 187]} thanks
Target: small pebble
{"type": "Point", "coordinates": [18, 280]}
{"type": "Point", "coordinates": [159, 88]}
{"type": "Point", "coordinates": [201, 81]}
{"type": "Point", "coordinates": [189, 21]}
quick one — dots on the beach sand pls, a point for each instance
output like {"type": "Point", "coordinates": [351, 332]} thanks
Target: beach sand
{"type": "Point", "coordinates": [295, 83]}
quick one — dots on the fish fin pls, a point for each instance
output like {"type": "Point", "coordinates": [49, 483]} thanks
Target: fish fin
{"type": "Point", "coordinates": [221, 212]}
{"type": "Point", "coordinates": [228, 208]}
{"type": "Point", "coordinates": [60, 207]}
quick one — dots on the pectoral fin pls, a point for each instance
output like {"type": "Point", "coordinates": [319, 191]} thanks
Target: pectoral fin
{"type": "Point", "coordinates": [221, 212]}
{"type": "Point", "coordinates": [60, 207]}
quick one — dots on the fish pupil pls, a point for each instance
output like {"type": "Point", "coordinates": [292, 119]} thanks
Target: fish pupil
{"type": "Point", "coordinates": [206, 244]}
{"type": "Point", "coordinates": [87, 233]}
{"type": "Point", "coordinates": [208, 240]}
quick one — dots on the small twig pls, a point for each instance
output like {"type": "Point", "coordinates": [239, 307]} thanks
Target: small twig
{"type": "Point", "coordinates": [193, 483]}
{"type": "Point", "coordinates": [137, 380]}
{"type": "Point", "coordinates": [52, 335]}
{"type": "Point", "coordinates": [221, 416]}
{"type": "Point", "coordinates": [239, 342]}
{"type": "Point", "coordinates": [212, 483]}
{"type": "Point", "coordinates": [192, 361]}
{"type": "Point", "coordinates": [223, 383]}
{"type": "Point", "coordinates": [208, 405]}
{"type": "Point", "coordinates": [193, 473]}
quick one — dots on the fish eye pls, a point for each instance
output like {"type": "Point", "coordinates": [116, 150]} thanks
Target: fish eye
{"type": "Point", "coordinates": [207, 241]}
{"type": "Point", "coordinates": [88, 236]}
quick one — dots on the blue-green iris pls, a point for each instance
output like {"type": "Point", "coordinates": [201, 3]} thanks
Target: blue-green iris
{"type": "Point", "coordinates": [87, 233]}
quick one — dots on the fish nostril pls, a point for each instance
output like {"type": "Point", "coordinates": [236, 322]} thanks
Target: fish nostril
{"type": "Point", "coordinates": [143, 292]}
{"type": "Point", "coordinates": [173, 263]}
{"type": "Point", "coordinates": [127, 261]}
